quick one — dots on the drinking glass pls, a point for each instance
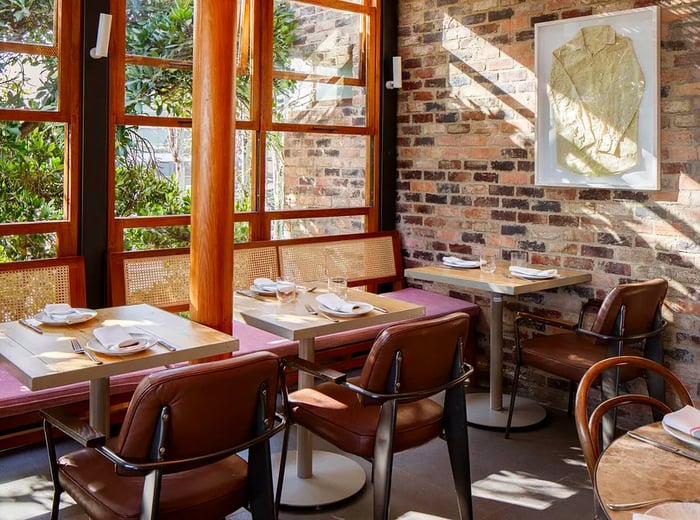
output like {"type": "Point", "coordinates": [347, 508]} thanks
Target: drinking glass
{"type": "Point", "coordinates": [518, 258]}
{"type": "Point", "coordinates": [285, 289]}
{"type": "Point", "coordinates": [488, 262]}
{"type": "Point", "coordinates": [338, 285]}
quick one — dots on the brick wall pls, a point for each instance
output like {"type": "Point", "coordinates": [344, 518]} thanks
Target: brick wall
{"type": "Point", "coordinates": [466, 167]}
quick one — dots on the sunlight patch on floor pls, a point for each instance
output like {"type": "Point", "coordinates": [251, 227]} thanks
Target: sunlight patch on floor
{"type": "Point", "coordinates": [28, 497]}
{"type": "Point", "coordinates": [521, 489]}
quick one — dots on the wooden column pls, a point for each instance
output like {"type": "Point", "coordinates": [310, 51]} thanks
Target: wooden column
{"type": "Point", "coordinates": [213, 125]}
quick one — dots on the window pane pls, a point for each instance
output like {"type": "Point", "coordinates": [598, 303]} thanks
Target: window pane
{"type": "Point", "coordinates": [308, 102]}
{"type": "Point", "coordinates": [160, 28]}
{"type": "Point", "coordinates": [27, 247]}
{"type": "Point", "coordinates": [28, 81]}
{"type": "Point", "coordinates": [158, 91]}
{"type": "Point", "coordinates": [243, 183]}
{"type": "Point", "coordinates": [241, 232]}
{"type": "Point", "coordinates": [299, 228]}
{"type": "Point", "coordinates": [315, 171]}
{"type": "Point", "coordinates": [31, 162]}
{"type": "Point", "coordinates": [27, 22]}
{"type": "Point", "coordinates": [162, 237]}
{"type": "Point", "coordinates": [153, 168]}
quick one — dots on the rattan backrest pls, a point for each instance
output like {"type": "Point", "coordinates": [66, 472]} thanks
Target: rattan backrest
{"type": "Point", "coordinates": [26, 287]}
{"type": "Point", "coordinates": [251, 262]}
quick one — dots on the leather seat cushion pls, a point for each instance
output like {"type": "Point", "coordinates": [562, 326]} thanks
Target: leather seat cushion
{"type": "Point", "coordinates": [209, 492]}
{"type": "Point", "coordinates": [323, 409]}
{"type": "Point", "coordinates": [568, 355]}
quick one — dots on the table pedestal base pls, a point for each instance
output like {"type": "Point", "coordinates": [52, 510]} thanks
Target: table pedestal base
{"type": "Point", "coordinates": [526, 412]}
{"type": "Point", "coordinates": [335, 478]}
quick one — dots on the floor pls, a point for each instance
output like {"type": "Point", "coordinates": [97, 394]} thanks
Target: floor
{"type": "Point", "coordinates": [536, 474]}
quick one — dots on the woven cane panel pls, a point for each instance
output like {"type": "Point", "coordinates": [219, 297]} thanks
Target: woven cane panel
{"type": "Point", "coordinates": [357, 260]}
{"type": "Point", "coordinates": [158, 281]}
{"type": "Point", "coordinates": [252, 263]}
{"type": "Point", "coordinates": [24, 292]}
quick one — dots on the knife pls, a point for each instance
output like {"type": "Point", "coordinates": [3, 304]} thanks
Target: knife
{"type": "Point", "coordinates": [250, 294]}
{"type": "Point", "coordinates": [666, 447]}
{"type": "Point", "coordinates": [36, 329]}
{"type": "Point", "coordinates": [166, 345]}
{"type": "Point", "coordinates": [380, 309]}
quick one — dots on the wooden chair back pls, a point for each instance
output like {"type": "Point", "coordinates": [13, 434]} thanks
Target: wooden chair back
{"type": "Point", "coordinates": [27, 286]}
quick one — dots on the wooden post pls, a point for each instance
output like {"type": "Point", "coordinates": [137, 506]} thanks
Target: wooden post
{"type": "Point", "coordinates": [213, 126]}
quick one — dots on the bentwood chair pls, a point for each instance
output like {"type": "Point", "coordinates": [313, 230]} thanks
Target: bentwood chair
{"type": "Point", "coordinates": [387, 408]}
{"type": "Point", "coordinates": [628, 321]}
{"type": "Point", "coordinates": [176, 454]}
{"type": "Point", "coordinates": [589, 427]}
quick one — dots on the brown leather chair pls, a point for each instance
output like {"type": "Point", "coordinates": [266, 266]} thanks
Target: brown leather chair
{"type": "Point", "coordinates": [628, 319]}
{"type": "Point", "coordinates": [175, 456]}
{"type": "Point", "coordinates": [386, 409]}
{"type": "Point", "coordinates": [589, 428]}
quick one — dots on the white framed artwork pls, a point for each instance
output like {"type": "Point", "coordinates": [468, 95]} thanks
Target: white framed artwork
{"type": "Point", "coordinates": [597, 123]}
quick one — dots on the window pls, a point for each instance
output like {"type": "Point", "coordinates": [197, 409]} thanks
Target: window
{"type": "Point", "coordinates": [39, 134]}
{"type": "Point", "coordinates": [306, 125]}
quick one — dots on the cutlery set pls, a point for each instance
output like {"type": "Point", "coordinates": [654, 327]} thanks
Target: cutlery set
{"type": "Point", "coordinates": [78, 349]}
{"type": "Point", "coordinates": [314, 312]}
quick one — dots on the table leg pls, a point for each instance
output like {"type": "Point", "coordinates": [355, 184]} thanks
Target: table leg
{"type": "Point", "coordinates": [99, 404]}
{"type": "Point", "coordinates": [317, 478]}
{"type": "Point", "coordinates": [490, 412]}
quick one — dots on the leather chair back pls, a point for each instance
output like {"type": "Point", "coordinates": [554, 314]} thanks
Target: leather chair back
{"type": "Point", "coordinates": [641, 302]}
{"type": "Point", "coordinates": [212, 407]}
{"type": "Point", "coordinates": [428, 349]}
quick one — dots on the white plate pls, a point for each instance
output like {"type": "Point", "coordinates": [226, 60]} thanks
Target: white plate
{"type": "Point", "coordinates": [534, 276]}
{"type": "Point", "coordinates": [363, 308]}
{"type": "Point", "coordinates": [146, 341]}
{"type": "Point", "coordinates": [267, 290]}
{"type": "Point", "coordinates": [676, 511]}
{"type": "Point", "coordinates": [681, 436]}
{"type": "Point", "coordinates": [85, 315]}
{"type": "Point", "coordinates": [471, 265]}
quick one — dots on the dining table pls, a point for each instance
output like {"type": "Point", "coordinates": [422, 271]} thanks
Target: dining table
{"type": "Point", "coordinates": [318, 477]}
{"type": "Point", "coordinates": [630, 470]}
{"type": "Point", "coordinates": [486, 409]}
{"type": "Point", "coordinates": [44, 357]}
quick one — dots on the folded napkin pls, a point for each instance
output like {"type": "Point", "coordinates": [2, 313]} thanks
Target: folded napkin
{"type": "Point", "coordinates": [62, 312]}
{"type": "Point", "coordinates": [642, 516]}
{"type": "Point", "coordinates": [527, 271]}
{"type": "Point", "coordinates": [458, 262]}
{"type": "Point", "coordinates": [336, 303]}
{"type": "Point", "coordinates": [265, 284]}
{"type": "Point", "coordinates": [113, 337]}
{"type": "Point", "coordinates": [687, 420]}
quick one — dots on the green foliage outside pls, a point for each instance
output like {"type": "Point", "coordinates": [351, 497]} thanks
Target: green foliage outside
{"type": "Point", "coordinates": [32, 155]}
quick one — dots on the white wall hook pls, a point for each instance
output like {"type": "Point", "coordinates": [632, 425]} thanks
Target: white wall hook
{"type": "Point", "coordinates": [396, 67]}
{"type": "Point", "coordinates": [104, 27]}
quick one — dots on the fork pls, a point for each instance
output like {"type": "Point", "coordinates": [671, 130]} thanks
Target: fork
{"type": "Point", "coordinates": [78, 349]}
{"type": "Point", "coordinates": [311, 310]}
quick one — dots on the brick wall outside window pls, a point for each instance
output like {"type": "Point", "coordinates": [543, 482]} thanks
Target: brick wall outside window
{"type": "Point", "coordinates": [466, 168]}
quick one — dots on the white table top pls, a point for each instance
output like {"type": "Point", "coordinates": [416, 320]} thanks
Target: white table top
{"type": "Point", "coordinates": [292, 321]}
{"type": "Point", "coordinates": [47, 360]}
{"type": "Point", "coordinates": [499, 281]}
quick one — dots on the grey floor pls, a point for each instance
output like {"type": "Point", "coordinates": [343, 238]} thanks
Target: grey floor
{"type": "Point", "coordinates": [536, 474]}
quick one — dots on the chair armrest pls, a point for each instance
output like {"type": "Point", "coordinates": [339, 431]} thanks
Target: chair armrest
{"type": "Point", "coordinates": [327, 374]}
{"type": "Point", "coordinates": [73, 426]}
{"type": "Point", "coordinates": [636, 337]}
{"type": "Point", "coordinates": [529, 316]}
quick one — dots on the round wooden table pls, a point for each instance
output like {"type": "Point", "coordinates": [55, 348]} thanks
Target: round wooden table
{"type": "Point", "coordinates": [631, 470]}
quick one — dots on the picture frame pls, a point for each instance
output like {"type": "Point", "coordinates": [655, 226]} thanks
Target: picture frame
{"type": "Point", "coordinates": [597, 122]}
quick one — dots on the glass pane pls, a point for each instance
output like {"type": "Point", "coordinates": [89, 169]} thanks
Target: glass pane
{"type": "Point", "coordinates": [158, 91]}
{"type": "Point", "coordinates": [160, 28]}
{"type": "Point", "coordinates": [243, 182]}
{"type": "Point", "coordinates": [319, 103]}
{"type": "Point", "coordinates": [32, 166]}
{"type": "Point", "coordinates": [306, 227]}
{"type": "Point", "coordinates": [27, 21]}
{"type": "Point", "coordinates": [317, 40]}
{"type": "Point", "coordinates": [244, 59]}
{"type": "Point", "coordinates": [28, 81]}
{"type": "Point", "coordinates": [27, 247]}
{"type": "Point", "coordinates": [162, 237]}
{"type": "Point", "coordinates": [315, 171]}
{"type": "Point", "coordinates": [241, 232]}
{"type": "Point", "coordinates": [153, 171]}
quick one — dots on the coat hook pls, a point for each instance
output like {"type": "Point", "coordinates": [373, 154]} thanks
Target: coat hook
{"type": "Point", "coordinates": [103, 29]}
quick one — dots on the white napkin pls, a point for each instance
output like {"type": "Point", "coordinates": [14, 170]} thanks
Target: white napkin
{"type": "Point", "coordinates": [687, 420]}
{"type": "Point", "coordinates": [527, 271]}
{"type": "Point", "coordinates": [642, 516]}
{"type": "Point", "coordinates": [114, 336]}
{"type": "Point", "coordinates": [62, 312]}
{"type": "Point", "coordinates": [336, 303]}
{"type": "Point", "coordinates": [265, 284]}
{"type": "Point", "coordinates": [458, 262]}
